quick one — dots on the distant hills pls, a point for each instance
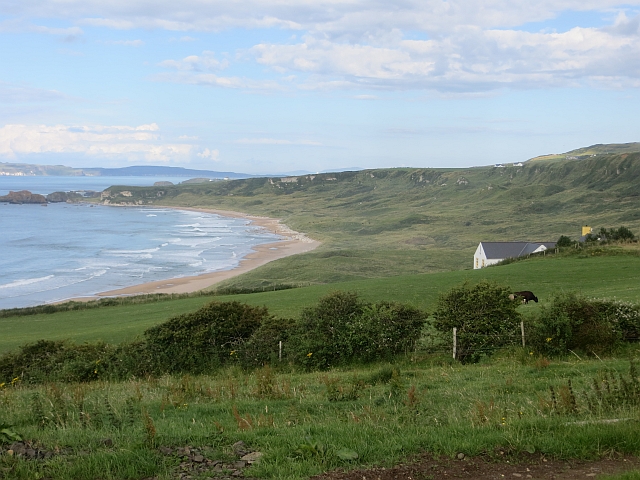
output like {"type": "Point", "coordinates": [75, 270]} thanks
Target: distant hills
{"type": "Point", "coordinates": [591, 151]}
{"type": "Point", "coordinates": [598, 149]}
{"type": "Point", "coordinates": [134, 171]}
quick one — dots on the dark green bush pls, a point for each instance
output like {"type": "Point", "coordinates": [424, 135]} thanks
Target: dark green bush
{"type": "Point", "coordinates": [205, 339]}
{"type": "Point", "coordinates": [262, 348]}
{"type": "Point", "coordinates": [484, 316]}
{"type": "Point", "coordinates": [564, 241]}
{"type": "Point", "coordinates": [342, 329]}
{"type": "Point", "coordinates": [321, 338]}
{"type": "Point", "coordinates": [574, 323]}
{"type": "Point", "coordinates": [45, 361]}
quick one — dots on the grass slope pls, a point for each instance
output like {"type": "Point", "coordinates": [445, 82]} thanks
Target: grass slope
{"type": "Point", "coordinates": [500, 406]}
{"type": "Point", "coordinates": [616, 274]}
{"type": "Point", "coordinates": [382, 223]}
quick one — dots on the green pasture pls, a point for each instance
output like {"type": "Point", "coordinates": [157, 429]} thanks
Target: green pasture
{"type": "Point", "coordinates": [606, 276]}
{"type": "Point", "coordinates": [384, 414]}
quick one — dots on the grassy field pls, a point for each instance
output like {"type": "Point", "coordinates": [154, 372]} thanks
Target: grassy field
{"type": "Point", "coordinates": [615, 274]}
{"type": "Point", "coordinates": [303, 427]}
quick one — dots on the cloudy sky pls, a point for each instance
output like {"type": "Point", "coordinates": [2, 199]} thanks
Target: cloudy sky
{"type": "Point", "coordinates": [273, 86]}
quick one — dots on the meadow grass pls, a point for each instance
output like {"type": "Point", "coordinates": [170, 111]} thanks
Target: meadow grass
{"type": "Point", "coordinates": [428, 404]}
{"type": "Point", "coordinates": [604, 276]}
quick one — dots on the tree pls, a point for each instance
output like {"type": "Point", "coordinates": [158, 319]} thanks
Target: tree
{"type": "Point", "coordinates": [564, 241]}
{"type": "Point", "coordinates": [484, 316]}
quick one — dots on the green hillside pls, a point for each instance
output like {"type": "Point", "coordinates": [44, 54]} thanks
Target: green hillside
{"type": "Point", "coordinates": [591, 151]}
{"type": "Point", "coordinates": [382, 223]}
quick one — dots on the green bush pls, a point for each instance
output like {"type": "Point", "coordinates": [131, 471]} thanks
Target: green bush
{"type": "Point", "coordinates": [205, 339]}
{"type": "Point", "coordinates": [484, 316]}
{"type": "Point", "coordinates": [564, 241]}
{"type": "Point", "coordinates": [342, 329]}
{"type": "Point", "coordinates": [262, 347]}
{"type": "Point", "coordinates": [574, 323]}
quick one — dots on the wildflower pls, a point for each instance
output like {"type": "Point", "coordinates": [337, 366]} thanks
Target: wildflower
{"type": "Point", "coordinates": [549, 339]}
{"type": "Point", "coordinates": [309, 354]}
{"type": "Point", "coordinates": [15, 380]}
{"type": "Point", "coordinates": [530, 353]}
{"type": "Point", "coordinates": [2, 385]}
{"type": "Point", "coordinates": [233, 352]}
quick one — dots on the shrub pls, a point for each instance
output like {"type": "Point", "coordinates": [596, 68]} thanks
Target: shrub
{"type": "Point", "coordinates": [564, 241]}
{"type": "Point", "coordinates": [484, 316]}
{"type": "Point", "coordinates": [574, 323]}
{"type": "Point", "coordinates": [321, 338]}
{"type": "Point", "coordinates": [342, 329]}
{"type": "Point", "coordinates": [205, 339]}
{"type": "Point", "coordinates": [262, 347]}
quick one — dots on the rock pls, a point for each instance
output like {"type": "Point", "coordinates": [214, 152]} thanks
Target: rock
{"type": "Point", "coordinates": [240, 464]}
{"type": "Point", "coordinates": [23, 196]}
{"type": "Point", "coordinates": [18, 448]}
{"type": "Point", "coordinates": [165, 450]}
{"type": "Point", "coordinates": [107, 442]}
{"type": "Point", "coordinates": [240, 448]}
{"type": "Point", "coordinates": [237, 473]}
{"type": "Point", "coordinates": [253, 457]}
{"type": "Point", "coordinates": [198, 458]}
{"type": "Point", "coordinates": [460, 456]}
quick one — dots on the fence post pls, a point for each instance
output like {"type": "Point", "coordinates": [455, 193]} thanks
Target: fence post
{"type": "Point", "coordinates": [280, 350]}
{"type": "Point", "coordinates": [455, 341]}
{"type": "Point", "coordinates": [522, 330]}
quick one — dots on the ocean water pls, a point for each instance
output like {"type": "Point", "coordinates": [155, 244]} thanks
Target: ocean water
{"type": "Point", "coordinates": [63, 251]}
{"type": "Point", "coordinates": [44, 185]}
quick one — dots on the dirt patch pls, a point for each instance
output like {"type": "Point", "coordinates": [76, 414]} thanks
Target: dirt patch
{"type": "Point", "coordinates": [428, 467]}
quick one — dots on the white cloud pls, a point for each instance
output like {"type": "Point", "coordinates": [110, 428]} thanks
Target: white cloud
{"type": "Point", "coordinates": [473, 59]}
{"type": "Point", "coordinates": [450, 46]}
{"type": "Point", "coordinates": [213, 80]}
{"type": "Point", "coordinates": [277, 141]}
{"type": "Point", "coordinates": [204, 62]}
{"type": "Point", "coordinates": [355, 19]}
{"type": "Point", "coordinates": [126, 43]}
{"type": "Point", "coordinates": [131, 142]}
{"type": "Point", "coordinates": [209, 154]}
{"type": "Point", "coordinates": [11, 93]}
{"type": "Point", "coordinates": [19, 26]}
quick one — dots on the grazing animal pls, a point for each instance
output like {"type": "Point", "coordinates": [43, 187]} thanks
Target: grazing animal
{"type": "Point", "coordinates": [526, 296]}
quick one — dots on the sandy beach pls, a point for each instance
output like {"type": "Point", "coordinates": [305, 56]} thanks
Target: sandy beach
{"type": "Point", "coordinates": [292, 244]}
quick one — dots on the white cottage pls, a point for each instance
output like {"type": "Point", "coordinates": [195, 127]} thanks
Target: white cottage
{"type": "Point", "coordinates": [490, 253]}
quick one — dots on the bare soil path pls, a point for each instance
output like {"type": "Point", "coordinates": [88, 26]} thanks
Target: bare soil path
{"type": "Point", "coordinates": [427, 467]}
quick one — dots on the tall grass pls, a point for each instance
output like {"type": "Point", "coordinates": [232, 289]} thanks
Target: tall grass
{"type": "Point", "coordinates": [113, 430]}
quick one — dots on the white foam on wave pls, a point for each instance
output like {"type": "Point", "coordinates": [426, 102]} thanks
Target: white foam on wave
{"type": "Point", "coordinates": [26, 281]}
{"type": "Point", "coordinates": [152, 215]}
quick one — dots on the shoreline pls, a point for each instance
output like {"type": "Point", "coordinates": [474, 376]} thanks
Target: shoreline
{"type": "Point", "coordinates": [293, 244]}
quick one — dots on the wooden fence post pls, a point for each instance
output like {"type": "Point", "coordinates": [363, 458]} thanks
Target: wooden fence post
{"type": "Point", "coordinates": [280, 350]}
{"type": "Point", "coordinates": [455, 341]}
{"type": "Point", "coordinates": [522, 330]}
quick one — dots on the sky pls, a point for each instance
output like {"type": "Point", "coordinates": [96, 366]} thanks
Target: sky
{"type": "Point", "coordinates": [281, 86]}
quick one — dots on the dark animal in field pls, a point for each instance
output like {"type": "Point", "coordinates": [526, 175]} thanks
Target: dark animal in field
{"type": "Point", "coordinates": [525, 295]}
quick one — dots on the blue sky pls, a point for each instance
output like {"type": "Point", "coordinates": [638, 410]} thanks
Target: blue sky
{"type": "Point", "coordinates": [274, 86]}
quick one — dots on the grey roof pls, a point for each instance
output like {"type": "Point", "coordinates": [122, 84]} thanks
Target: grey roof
{"type": "Point", "coordinates": [499, 250]}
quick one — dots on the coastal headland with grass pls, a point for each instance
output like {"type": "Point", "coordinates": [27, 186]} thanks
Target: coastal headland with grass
{"type": "Point", "coordinates": [338, 361]}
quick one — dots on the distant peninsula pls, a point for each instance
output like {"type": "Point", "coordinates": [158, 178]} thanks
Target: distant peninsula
{"type": "Point", "coordinates": [26, 169]}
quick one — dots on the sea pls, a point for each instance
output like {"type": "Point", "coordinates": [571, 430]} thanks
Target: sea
{"type": "Point", "coordinates": [63, 251]}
